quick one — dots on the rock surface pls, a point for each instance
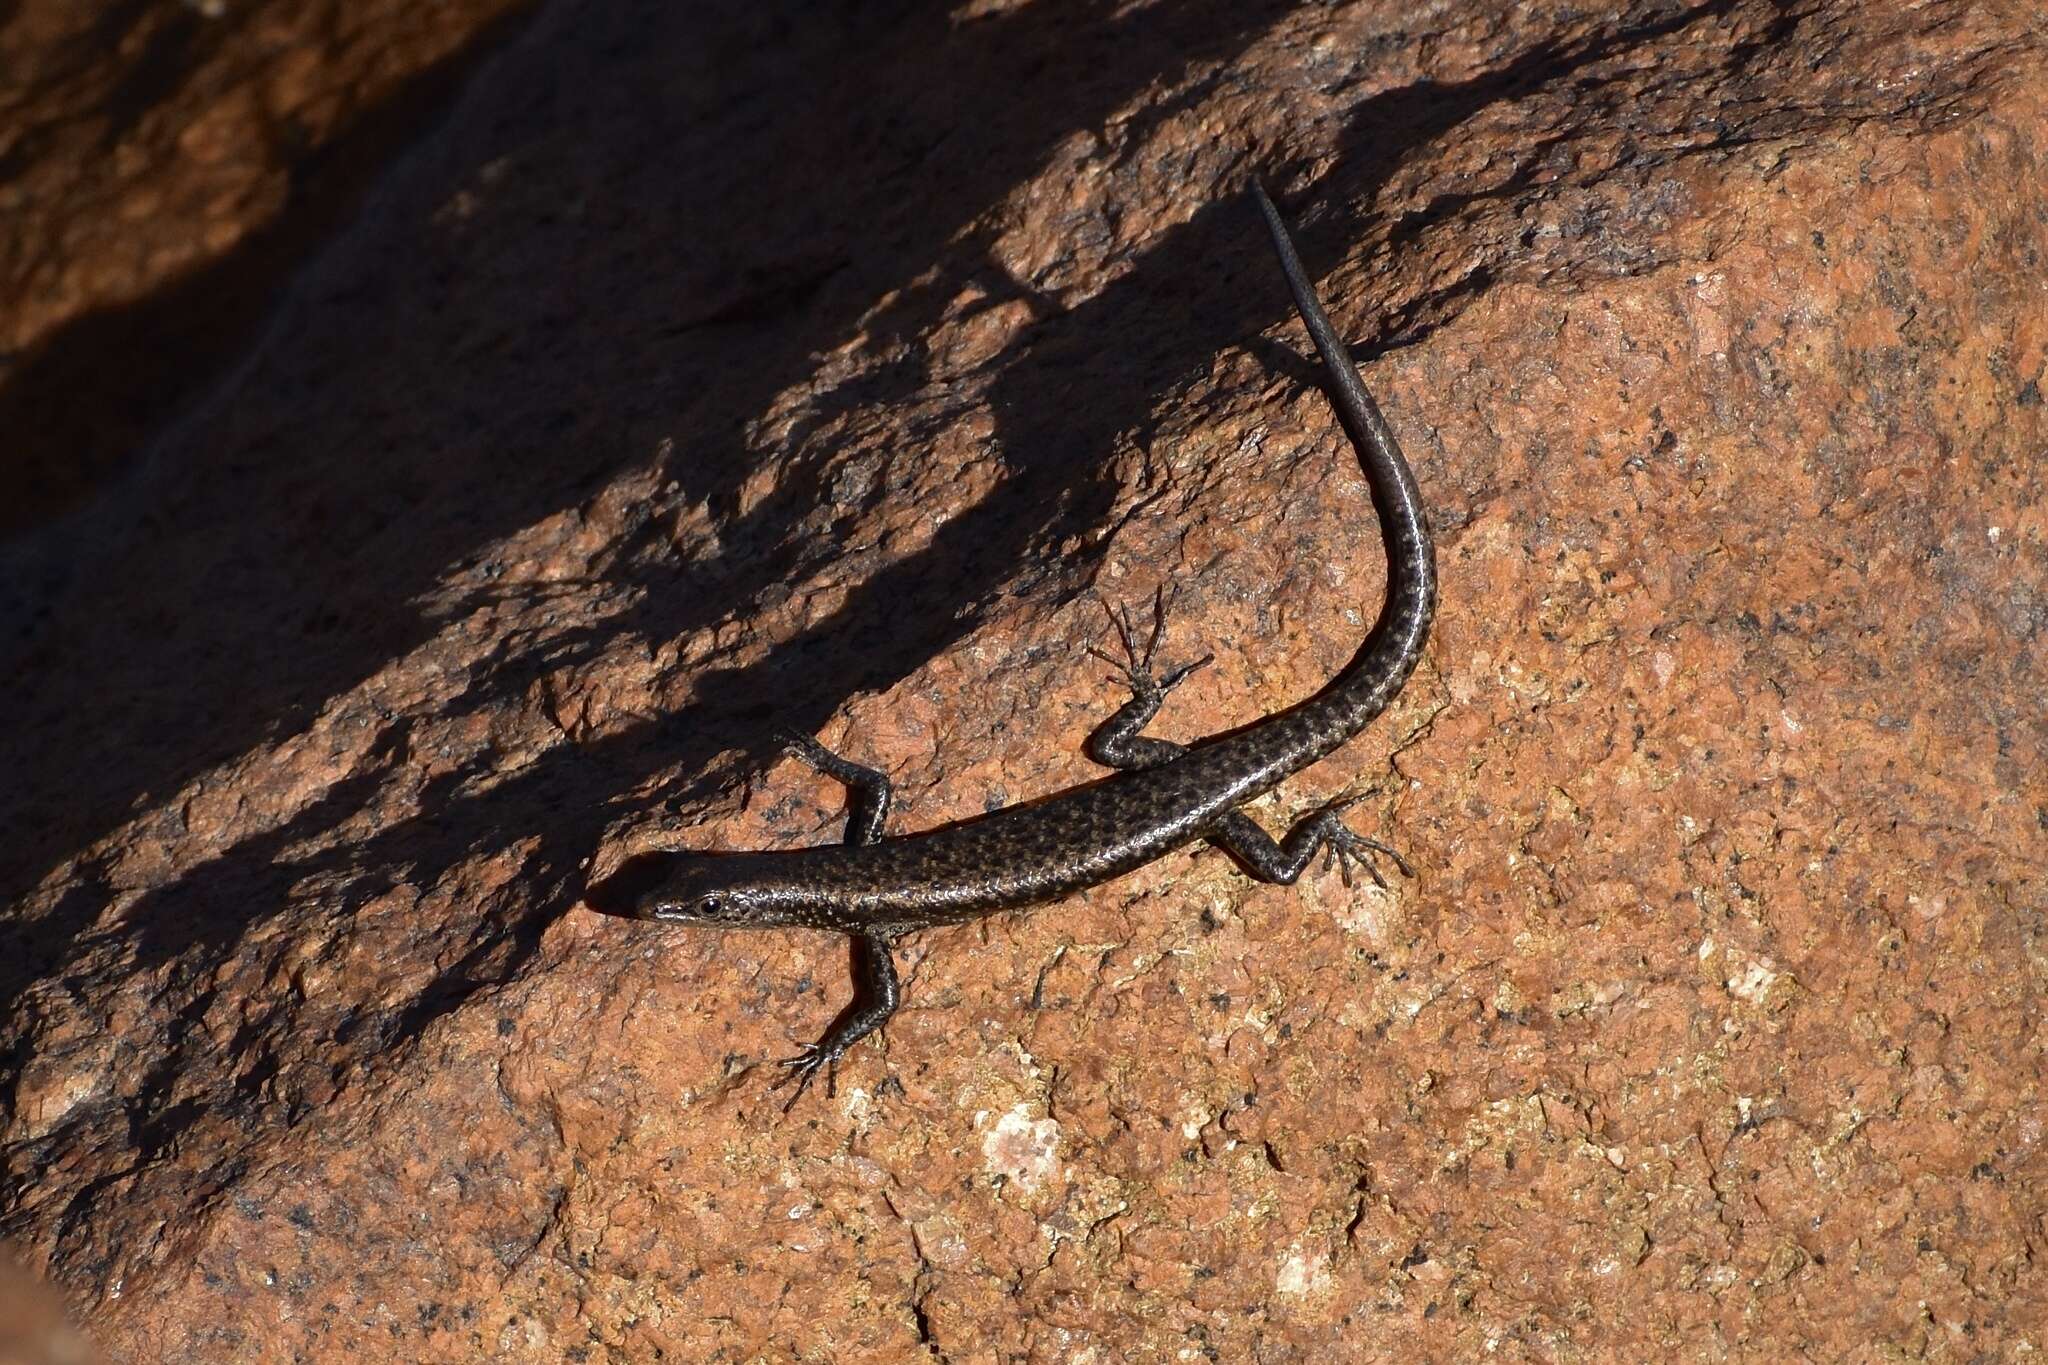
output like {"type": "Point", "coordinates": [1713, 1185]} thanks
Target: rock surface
{"type": "Point", "coordinates": [730, 367]}
{"type": "Point", "coordinates": [167, 165]}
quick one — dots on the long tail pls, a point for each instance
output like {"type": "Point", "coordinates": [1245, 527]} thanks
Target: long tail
{"type": "Point", "coordinates": [1411, 554]}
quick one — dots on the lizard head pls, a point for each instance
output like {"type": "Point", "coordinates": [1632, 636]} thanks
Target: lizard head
{"type": "Point", "coordinates": [726, 890]}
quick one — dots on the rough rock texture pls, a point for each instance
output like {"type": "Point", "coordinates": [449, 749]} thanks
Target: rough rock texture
{"type": "Point", "coordinates": [728, 367]}
{"type": "Point", "coordinates": [165, 165]}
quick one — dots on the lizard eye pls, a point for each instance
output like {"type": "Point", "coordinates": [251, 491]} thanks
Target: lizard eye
{"type": "Point", "coordinates": [710, 905]}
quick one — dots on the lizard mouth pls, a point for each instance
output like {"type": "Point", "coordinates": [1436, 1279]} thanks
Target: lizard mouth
{"type": "Point", "coordinates": [630, 890]}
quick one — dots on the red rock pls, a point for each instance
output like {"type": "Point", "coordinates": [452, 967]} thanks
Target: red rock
{"type": "Point", "coordinates": [711, 371]}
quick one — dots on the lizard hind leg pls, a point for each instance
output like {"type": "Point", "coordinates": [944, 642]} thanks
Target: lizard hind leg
{"type": "Point", "coordinates": [1323, 831]}
{"type": "Point", "coordinates": [1117, 742]}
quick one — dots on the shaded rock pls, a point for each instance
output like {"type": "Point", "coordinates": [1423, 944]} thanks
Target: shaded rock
{"type": "Point", "coordinates": [166, 167]}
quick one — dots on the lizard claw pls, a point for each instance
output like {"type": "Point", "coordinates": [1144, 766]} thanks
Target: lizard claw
{"type": "Point", "coordinates": [1179, 675]}
{"type": "Point", "coordinates": [803, 1069]}
{"type": "Point", "coordinates": [1347, 848]}
{"type": "Point", "coordinates": [1119, 665]}
{"type": "Point", "coordinates": [1136, 665]}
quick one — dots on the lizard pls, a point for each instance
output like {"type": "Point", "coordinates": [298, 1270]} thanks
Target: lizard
{"type": "Point", "coordinates": [873, 888]}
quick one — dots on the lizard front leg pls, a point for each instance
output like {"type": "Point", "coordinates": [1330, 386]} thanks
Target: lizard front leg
{"type": "Point", "coordinates": [868, 792]}
{"type": "Point", "coordinates": [1117, 743]}
{"type": "Point", "coordinates": [876, 994]}
{"type": "Point", "coordinates": [876, 990]}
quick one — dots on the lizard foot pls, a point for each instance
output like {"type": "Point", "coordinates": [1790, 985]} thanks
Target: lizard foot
{"type": "Point", "coordinates": [804, 1068]}
{"type": "Point", "coordinates": [1136, 665]}
{"type": "Point", "coordinates": [1345, 847]}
